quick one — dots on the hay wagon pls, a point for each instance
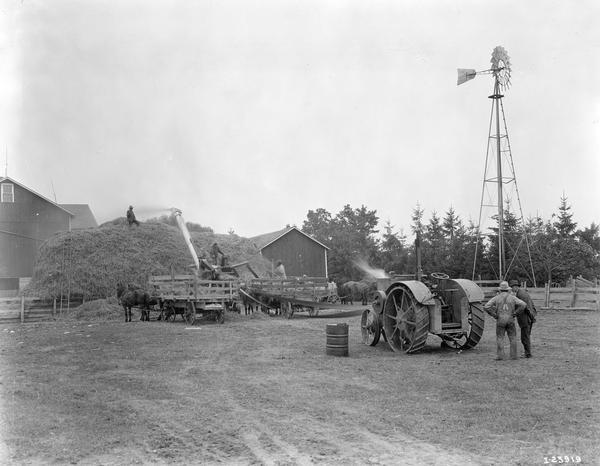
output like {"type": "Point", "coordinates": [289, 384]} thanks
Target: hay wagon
{"type": "Point", "coordinates": [293, 294]}
{"type": "Point", "coordinates": [191, 297]}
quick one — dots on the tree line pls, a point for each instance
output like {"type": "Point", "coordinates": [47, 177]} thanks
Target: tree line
{"type": "Point", "coordinates": [551, 251]}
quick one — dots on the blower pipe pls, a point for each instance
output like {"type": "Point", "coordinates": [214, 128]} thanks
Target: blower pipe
{"type": "Point", "coordinates": [186, 236]}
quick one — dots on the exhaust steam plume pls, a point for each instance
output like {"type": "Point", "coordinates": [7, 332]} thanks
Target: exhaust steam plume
{"type": "Point", "coordinates": [370, 271]}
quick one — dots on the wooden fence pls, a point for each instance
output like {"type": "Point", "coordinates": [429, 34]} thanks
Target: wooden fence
{"type": "Point", "coordinates": [574, 297]}
{"type": "Point", "coordinates": [29, 309]}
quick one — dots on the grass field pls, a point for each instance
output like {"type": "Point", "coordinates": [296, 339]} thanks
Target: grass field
{"type": "Point", "coordinates": [261, 390]}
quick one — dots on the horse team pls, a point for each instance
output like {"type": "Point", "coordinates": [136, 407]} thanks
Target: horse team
{"type": "Point", "coordinates": [130, 297]}
{"type": "Point", "coordinates": [357, 291]}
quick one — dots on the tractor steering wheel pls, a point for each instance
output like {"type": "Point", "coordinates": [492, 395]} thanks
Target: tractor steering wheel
{"type": "Point", "coordinates": [440, 276]}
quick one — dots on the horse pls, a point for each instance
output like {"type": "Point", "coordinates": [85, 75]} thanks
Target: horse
{"type": "Point", "coordinates": [358, 291]}
{"type": "Point", "coordinates": [248, 301]}
{"type": "Point", "coordinates": [130, 297]}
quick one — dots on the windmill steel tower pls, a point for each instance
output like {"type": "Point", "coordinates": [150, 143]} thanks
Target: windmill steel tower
{"type": "Point", "coordinates": [499, 174]}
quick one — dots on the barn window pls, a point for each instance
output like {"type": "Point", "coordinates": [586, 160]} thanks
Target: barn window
{"type": "Point", "coordinates": [8, 192]}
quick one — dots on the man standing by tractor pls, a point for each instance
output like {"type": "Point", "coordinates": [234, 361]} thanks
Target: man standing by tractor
{"type": "Point", "coordinates": [504, 307]}
{"type": "Point", "coordinates": [131, 217]}
{"type": "Point", "coordinates": [527, 318]}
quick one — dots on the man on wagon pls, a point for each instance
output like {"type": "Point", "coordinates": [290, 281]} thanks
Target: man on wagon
{"type": "Point", "coordinates": [214, 252]}
{"type": "Point", "coordinates": [280, 270]}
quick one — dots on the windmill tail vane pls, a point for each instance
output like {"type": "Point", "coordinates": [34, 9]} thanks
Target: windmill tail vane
{"type": "Point", "coordinates": [465, 75]}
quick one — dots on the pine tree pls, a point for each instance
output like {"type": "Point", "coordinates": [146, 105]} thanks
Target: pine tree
{"type": "Point", "coordinates": [394, 254]}
{"type": "Point", "coordinates": [565, 226]}
{"type": "Point", "coordinates": [434, 247]}
{"type": "Point", "coordinates": [417, 219]}
{"type": "Point", "coordinates": [451, 224]}
{"type": "Point", "coordinates": [591, 235]}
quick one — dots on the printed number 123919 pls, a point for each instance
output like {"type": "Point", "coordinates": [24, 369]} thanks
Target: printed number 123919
{"type": "Point", "coordinates": [562, 459]}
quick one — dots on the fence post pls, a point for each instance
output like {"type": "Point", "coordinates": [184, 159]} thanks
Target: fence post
{"type": "Point", "coordinates": [54, 309]}
{"type": "Point", "coordinates": [22, 308]}
{"type": "Point", "coordinates": [573, 293]}
{"type": "Point", "coordinates": [547, 295]}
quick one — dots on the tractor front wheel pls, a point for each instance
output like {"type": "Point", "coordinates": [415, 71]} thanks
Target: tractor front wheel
{"type": "Point", "coordinates": [370, 327]}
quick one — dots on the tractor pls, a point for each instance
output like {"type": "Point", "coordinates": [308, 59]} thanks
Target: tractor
{"type": "Point", "coordinates": [405, 312]}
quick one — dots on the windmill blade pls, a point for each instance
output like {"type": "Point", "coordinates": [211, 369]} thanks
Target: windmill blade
{"type": "Point", "coordinates": [465, 75]}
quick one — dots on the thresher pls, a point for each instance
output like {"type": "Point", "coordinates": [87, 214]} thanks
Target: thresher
{"type": "Point", "coordinates": [189, 294]}
{"type": "Point", "coordinates": [405, 312]}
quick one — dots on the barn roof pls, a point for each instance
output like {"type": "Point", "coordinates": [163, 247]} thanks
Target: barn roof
{"type": "Point", "coordinates": [84, 218]}
{"type": "Point", "coordinates": [7, 178]}
{"type": "Point", "coordinates": [81, 214]}
{"type": "Point", "coordinates": [262, 241]}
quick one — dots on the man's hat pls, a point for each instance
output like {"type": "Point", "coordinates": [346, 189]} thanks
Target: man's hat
{"type": "Point", "coordinates": [514, 283]}
{"type": "Point", "coordinates": [504, 286]}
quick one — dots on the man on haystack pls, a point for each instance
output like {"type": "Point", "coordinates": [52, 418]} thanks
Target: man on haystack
{"type": "Point", "coordinates": [527, 318]}
{"type": "Point", "coordinates": [131, 217]}
{"type": "Point", "coordinates": [504, 307]}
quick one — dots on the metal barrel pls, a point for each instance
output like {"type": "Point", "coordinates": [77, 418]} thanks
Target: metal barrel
{"type": "Point", "coordinates": [337, 339]}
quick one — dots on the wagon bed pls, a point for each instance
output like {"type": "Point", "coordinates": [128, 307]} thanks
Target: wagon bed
{"type": "Point", "coordinates": [190, 296]}
{"type": "Point", "coordinates": [294, 293]}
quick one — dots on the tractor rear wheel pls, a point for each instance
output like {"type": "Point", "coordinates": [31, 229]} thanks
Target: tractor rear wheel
{"type": "Point", "coordinates": [405, 321]}
{"type": "Point", "coordinates": [476, 324]}
{"type": "Point", "coordinates": [370, 327]}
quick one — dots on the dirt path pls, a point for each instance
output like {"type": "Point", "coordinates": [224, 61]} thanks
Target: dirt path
{"type": "Point", "coordinates": [270, 447]}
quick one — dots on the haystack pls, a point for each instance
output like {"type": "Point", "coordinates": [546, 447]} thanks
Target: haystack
{"type": "Point", "coordinates": [89, 263]}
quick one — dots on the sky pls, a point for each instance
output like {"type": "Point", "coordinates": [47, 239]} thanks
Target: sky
{"type": "Point", "coordinates": [246, 115]}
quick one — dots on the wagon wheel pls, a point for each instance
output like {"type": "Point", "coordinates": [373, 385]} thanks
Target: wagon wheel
{"type": "Point", "coordinates": [161, 314]}
{"type": "Point", "coordinates": [288, 310]}
{"type": "Point", "coordinates": [370, 327]}
{"type": "Point", "coordinates": [219, 316]}
{"type": "Point", "coordinates": [469, 339]}
{"type": "Point", "coordinates": [405, 321]}
{"type": "Point", "coordinates": [190, 313]}
{"type": "Point", "coordinates": [170, 313]}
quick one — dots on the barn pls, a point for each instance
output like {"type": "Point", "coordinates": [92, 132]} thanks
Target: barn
{"type": "Point", "coordinates": [27, 219]}
{"type": "Point", "coordinates": [300, 253]}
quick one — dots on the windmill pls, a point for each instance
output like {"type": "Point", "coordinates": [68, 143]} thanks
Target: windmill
{"type": "Point", "coordinates": [502, 177]}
